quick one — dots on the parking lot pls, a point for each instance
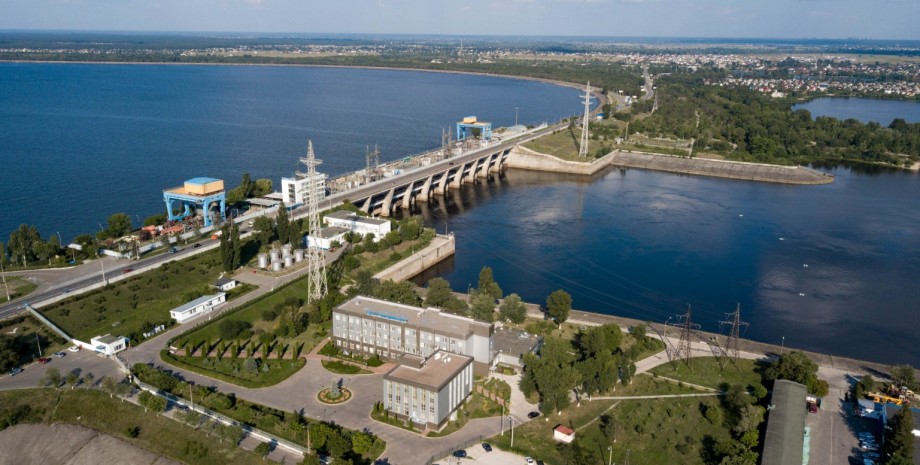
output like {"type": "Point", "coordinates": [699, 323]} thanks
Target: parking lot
{"type": "Point", "coordinates": [476, 454]}
{"type": "Point", "coordinates": [84, 361]}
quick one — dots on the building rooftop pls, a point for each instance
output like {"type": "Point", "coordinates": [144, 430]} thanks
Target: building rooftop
{"type": "Point", "coordinates": [430, 318]}
{"type": "Point", "coordinates": [785, 438]}
{"type": "Point", "coordinates": [190, 305]}
{"type": "Point", "coordinates": [263, 202]}
{"type": "Point", "coordinates": [222, 281]}
{"type": "Point", "coordinates": [108, 339]}
{"type": "Point", "coordinates": [564, 430]}
{"type": "Point", "coordinates": [349, 215]}
{"type": "Point", "coordinates": [201, 180]}
{"type": "Point", "coordinates": [515, 342]}
{"type": "Point", "coordinates": [330, 232]}
{"type": "Point", "coordinates": [434, 373]}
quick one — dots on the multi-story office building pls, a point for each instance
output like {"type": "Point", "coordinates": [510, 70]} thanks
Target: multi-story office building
{"type": "Point", "coordinates": [427, 391]}
{"type": "Point", "coordinates": [369, 326]}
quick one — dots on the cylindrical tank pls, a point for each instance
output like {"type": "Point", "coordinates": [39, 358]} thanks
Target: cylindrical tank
{"type": "Point", "coordinates": [276, 266]}
{"type": "Point", "coordinates": [263, 261]}
{"type": "Point", "coordinates": [298, 255]}
{"type": "Point", "coordinates": [275, 255]}
{"type": "Point", "coordinates": [286, 250]}
{"type": "Point", "coordinates": [288, 261]}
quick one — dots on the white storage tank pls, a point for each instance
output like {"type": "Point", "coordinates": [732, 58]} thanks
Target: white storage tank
{"type": "Point", "coordinates": [263, 261]}
{"type": "Point", "coordinates": [298, 255]}
{"type": "Point", "coordinates": [288, 261]}
{"type": "Point", "coordinates": [286, 250]}
{"type": "Point", "coordinates": [275, 255]}
{"type": "Point", "coordinates": [276, 266]}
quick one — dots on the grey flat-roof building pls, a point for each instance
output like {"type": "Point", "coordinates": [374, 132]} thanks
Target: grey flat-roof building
{"type": "Point", "coordinates": [785, 438]}
{"type": "Point", "coordinates": [428, 391]}
{"type": "Point", "coordinates": [511, 345]}
{"type": "Point", "coordinates": [369, 326]}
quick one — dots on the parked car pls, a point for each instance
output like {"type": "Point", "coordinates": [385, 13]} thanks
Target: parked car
{"type": "Point", "coordinates": [460, 454]}
{"type": "Point", "coordinates": [196, 246]}
{"type": "Point", "coordinates": [15, 371]}
{"type": "Point", "coordinates": [528, 461]}
{"type": "Point", "coordinates": [487, 447]}
{"type": "Point", "coordinates": [59, 354]}
{"type": "Point", "coordinates": [43, 360]}
{"type": "Point", "coordinates": [533, 415]}
{"type": "Point", "coordinates": [127, 270]}
{"type": "Point", "coordinates": [74, 349]}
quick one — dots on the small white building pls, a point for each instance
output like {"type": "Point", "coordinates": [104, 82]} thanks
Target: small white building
{"type": "Point", "coordinates": [358, 224]}
{"type": "Point", "coordinates": [564, 434]}
{"type": "Point", "coordinates": [109, 344]}
{"type": "Point", "coordinates": [225, 284]}
{"type": "Point", "coordinates": [428, 391]}
{"type": "Point", "coordinates": [197, 307]}
{"type": "Point", "coordinates": [296, 190]}
{"type": "Point", "coordinates": [326, 237]}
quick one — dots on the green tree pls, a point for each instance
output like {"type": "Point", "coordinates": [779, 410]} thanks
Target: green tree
{"type": "Point", "coordinates": [796, 366]}
{"type": "Point", "coordinates": [155, 220]}
{"type": "Point", "coordinates": [750, 418]}
{"type": "Point", "coordinates": [295, 234]}
{"type": "Point", "coordinates": [236, 245]}
{"type": "Point", "coordinates": [24, 242]}
{"type": "Point", "coordinates": [487, 284]}
{"type": "Point", "coordinates": [263, 186]}
{"type": "Point", "coordinates": [52, 378]}
{"type": "Point", "coordinates": [558, 305]}
{"type": "Point", "coordinates": [361, 442]}
{"type": "Point", "coordinates": [263, 449]}
{"type": "Point", "coordinates": [402, 292]}
{"type": "Point", "coordinates": [365, 283]}
{"type": "Point", "coordinates": [264, 229]}
{"type": "Point", "coordinates": [88, 379]}
{"type": "Point", "coordinates": [483, 307]}
{"type": "Point", "coordinates": [9, 357]}
{"type": "Point", "coordinates": [72, 379]}
{"type": "Point", "coordinates": [898, 448]}
{"type": "Point", "coordinates": [311, 459]}
{"type": "Point", "coordinates": [108, 385]}
{"type": "Point", "coordinates": [439, 292]}
{"type": "Point", "coordinates": [904, 376]}
{"type": "Point", "coordinates": [282, 224]}
{"type": "Point", "coordinates": [225, 248]}
{"type": "Point", "coordinates": [865, 385]}
{"type": "Point", "coordinates": [119, 224]}
{"type": "Point", "coordinates": [553, 375]}
{"type": "Point", "coordinates": [512, 309]}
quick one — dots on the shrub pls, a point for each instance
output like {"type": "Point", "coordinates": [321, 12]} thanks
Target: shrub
{"type": "Point", "coordinates": [234, 329]}
{"type": "Point", "coordinates": [269, 315]}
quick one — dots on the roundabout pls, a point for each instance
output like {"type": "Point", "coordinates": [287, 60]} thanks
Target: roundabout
{"type": "Point", "coordinates": [334, 395]}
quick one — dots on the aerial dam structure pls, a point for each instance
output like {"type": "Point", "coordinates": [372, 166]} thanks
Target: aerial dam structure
{"type": "Point", "coordinates": [384, 196]}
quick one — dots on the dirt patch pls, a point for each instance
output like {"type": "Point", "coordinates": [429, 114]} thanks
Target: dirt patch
{"type": "Point", "coordinates": [70, 445]}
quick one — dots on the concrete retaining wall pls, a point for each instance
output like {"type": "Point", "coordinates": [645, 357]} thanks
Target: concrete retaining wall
{"type": "Point", "coordinates": [440, 248]}
{"type": "Point", "coordinates": [524, 158]}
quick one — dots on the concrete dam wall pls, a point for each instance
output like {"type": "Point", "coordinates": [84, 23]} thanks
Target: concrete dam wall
{"type": "Point", "coordinates": [524, 158]}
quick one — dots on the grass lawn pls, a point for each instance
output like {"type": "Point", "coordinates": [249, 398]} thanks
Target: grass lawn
{"type": "Point", "coordinates": [562, 144]}
{"type": "Point", "coordinates": [24, 329]}
{"type": "Point", "coordinates": [94, 409]}
{"type": "Point", "coordinates": [647, 385]}
{"type": "Point", "coordinates": [127, 307]}
{"type": "Point", "coordinates": [475, 406]}
{"type": "Point", "coordinates": [656, 430]}
{"type": "Point", "coordinates": [19, 287]}
{"type": "Point", "coordinates": [235, 370]}
{"type": "Point", "coordinates": [706, 371]}
{"type": "Point", "coordinates": [379, 261]}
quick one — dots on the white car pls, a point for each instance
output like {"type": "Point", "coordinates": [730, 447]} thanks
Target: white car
{"type": "Point", "coordinates": [528, 460]}
{"type": "Point", "coordinates": [74, 349]}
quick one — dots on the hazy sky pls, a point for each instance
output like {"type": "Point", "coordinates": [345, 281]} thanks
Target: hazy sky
{"type": "Point", "coordinates": [874, 19]}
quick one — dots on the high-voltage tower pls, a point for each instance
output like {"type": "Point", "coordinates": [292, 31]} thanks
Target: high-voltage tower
{"type": "Point", "coordinates": [687, 327]}
{"type": "Point", "coordinates": [373, 164]}
{"type": "Point", "coordinates": [316, 264]}
{"type": "Point", "coordinates": [732, 345]}
{"type": "Point", "coordinates": [583, 147]}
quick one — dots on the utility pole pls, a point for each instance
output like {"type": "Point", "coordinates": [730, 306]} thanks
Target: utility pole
{"type": "Point", "coordinates": [39, 343]}
{"type": "Point", "coordinates": [515, 116]}
{"type": "Point", "coordinates": [511, 420]}
{"type": "Point", "coordinates": [732, 345]}
{"type": "Point", "coordinates": [316, 263]}
{"type": "Point", "coordinates": [583, 147]}
{"type": "Point", "coordinates": [610, 457]}
{"type": "Point", "coordinates": [3, 274]}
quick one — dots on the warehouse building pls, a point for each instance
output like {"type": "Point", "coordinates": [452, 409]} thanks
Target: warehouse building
{"type": "Point", "coordinates": [358, 224]}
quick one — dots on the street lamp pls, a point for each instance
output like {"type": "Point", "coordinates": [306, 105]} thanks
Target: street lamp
{"type": "Point", "coordinates": [610, 457]}
{"type": "Point", "coordinates": [511, 420]}
{"type": "Point", "coordinates": [782, 348]}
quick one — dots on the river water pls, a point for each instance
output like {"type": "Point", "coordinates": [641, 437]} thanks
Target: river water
{"type": "Point", "coordinates": [830, 268]}
{"type": "Point", "coordinates": [863, 109]}
{"type": "Point", "coordinates": [82, 141]}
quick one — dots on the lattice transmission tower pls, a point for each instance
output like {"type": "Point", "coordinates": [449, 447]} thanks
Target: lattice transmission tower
{"type": "Point", "coordinates": [583, 147]}
{"type": "Point", "coordinates": [687, 327]}
{"type": "Point", "coordinates": [316, 263]}
{"type": "Point", "coordinates": [732, 345]}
